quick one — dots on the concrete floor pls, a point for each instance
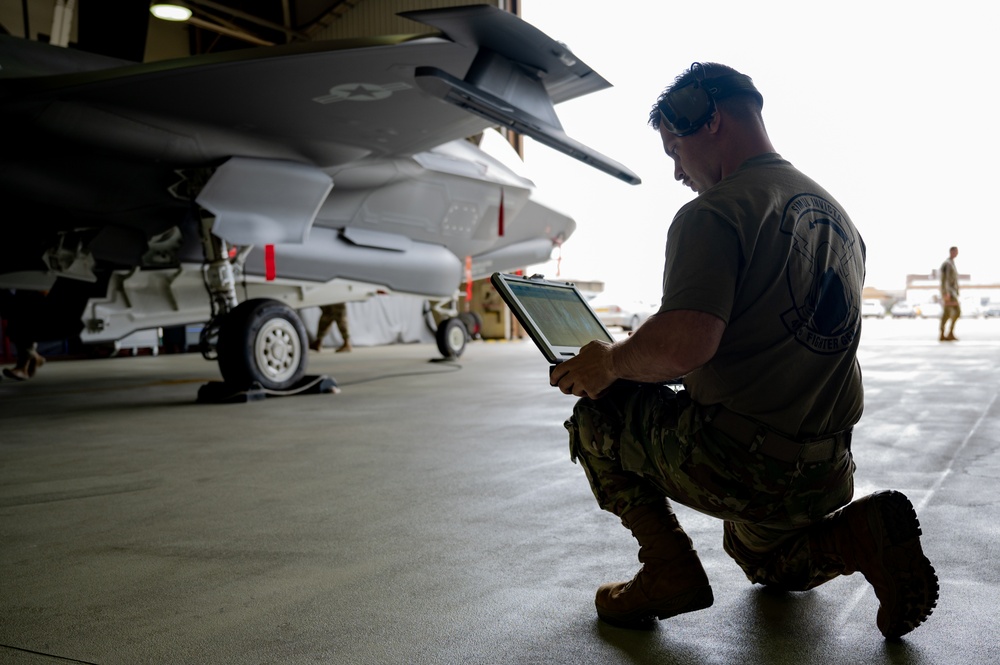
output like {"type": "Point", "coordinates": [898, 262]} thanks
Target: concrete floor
{"type": "Point", "coordinates": [429, 514]}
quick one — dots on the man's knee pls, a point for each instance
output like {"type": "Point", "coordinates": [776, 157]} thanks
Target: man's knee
{"type": "Point", "coordinates": [594, 430]}
{"type": "Point", "coordinates": [597, 438]}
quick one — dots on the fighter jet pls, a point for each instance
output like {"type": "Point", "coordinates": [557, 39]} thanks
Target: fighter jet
{"type": "Point", "coordinates": [238, 187]}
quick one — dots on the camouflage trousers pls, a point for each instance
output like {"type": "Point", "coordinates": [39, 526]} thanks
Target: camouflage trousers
{"type": "Point", "coordinates": [639, 445]}
{"type": "Point", "coordinates": [329, 315]}
{"type": "Point", "coordinates": [950, 313]}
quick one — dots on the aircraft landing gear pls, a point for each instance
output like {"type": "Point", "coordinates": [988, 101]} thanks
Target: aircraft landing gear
{"type": "Point", "coordinates": [262, 341]}
{"type": "Point", "coordinates": [260, 344]}
{"type": "Point", "coordinates": [451, 336]}
{"type": "Point", "coordinates": [452, 330]}
{"type": "Point", "coordinates": [262, 350]}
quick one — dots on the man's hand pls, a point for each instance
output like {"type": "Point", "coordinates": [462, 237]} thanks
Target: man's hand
{"type": "Point", "coordinates": [589, 374]}
{"type": "Point", "coordinates": [667, 346]}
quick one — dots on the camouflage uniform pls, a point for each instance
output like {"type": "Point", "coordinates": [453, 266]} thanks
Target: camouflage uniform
{"type": "Point", "coordinates": [333, 314]}
{"type": "Point", "coordinates": [641, 443]}
{"type": "Point", "coordinates": [951, 310]}
{"type": "Point", "coordinates": [771, 254]}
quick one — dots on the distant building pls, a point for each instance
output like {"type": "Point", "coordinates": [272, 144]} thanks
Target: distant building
{"type": "Point", "coordinates": [882, 295]}
{"type": "Point", "coordinates": [926, 288]}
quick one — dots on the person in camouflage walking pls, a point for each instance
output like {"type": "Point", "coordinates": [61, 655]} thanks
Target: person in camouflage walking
{"type": "Point", "coordinates": [950, 307]}
{"type": "Point", "coordinates": [760, 317]}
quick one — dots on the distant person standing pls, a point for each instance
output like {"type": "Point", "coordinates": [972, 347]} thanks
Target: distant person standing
{"type": "Point", "coordinates": [330, 314]}
{"type": "Point", "coordinates": [22, 311]}
{"type": "Point", "coordinates": [949, 296]}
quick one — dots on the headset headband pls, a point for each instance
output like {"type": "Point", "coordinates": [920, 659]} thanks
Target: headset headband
{"type": "Point", "coordinates": [686, 109]}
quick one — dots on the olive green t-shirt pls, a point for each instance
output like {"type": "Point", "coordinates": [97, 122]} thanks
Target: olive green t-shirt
{"type": "Point", "coordinates": [772, 254]}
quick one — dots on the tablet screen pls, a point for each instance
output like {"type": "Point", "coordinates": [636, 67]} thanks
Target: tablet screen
{"type": "Point", "coordinates": [554, 314]}
{"type": "Point", "coordinates": [560, 313]}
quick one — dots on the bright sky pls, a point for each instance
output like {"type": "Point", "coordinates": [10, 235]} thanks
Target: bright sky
{"type": "Point", "coordinates": [887, 104]}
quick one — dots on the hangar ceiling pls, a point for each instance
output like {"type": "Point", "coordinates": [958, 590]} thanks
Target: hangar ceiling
{"type": "Point", "coordinates": [279, 21]}
{"type": "Point", "coordinates": [121, 28]}
{"type": "Point", "coordinates": [290, 20]}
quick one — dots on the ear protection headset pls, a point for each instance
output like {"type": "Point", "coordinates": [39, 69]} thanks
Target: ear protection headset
{"type": "Point", "coordinates": [686, 109]}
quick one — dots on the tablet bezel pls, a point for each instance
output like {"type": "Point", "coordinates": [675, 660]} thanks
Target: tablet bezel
{"type": "Point", "coordinates": [553, 353]}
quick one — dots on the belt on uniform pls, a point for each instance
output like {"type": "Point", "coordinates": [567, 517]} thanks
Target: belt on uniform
{"type": "Point", "coordinates": [770, 443]}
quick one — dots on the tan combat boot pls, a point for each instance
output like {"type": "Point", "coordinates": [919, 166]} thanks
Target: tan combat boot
{"type": "Point", "coordinates": [671, 580]}
{"type": "Point", "coordinates": [28, 363]}
{"type": "Point", "coordinates": [879, 535]}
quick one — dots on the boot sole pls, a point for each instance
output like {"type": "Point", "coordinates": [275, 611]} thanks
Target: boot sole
{"type": "Point", "coordinates": [645, 618]}
{"type": "Point", "coordinates": [912, 574]}
{"type": "Point", "coordinates": [13, 374]}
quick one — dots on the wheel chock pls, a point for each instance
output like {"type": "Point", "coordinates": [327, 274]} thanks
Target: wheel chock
{"type": "Point", "coordinates": [220, 392]}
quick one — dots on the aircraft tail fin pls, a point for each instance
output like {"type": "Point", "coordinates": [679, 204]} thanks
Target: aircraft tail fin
{"type": "Point", "coordinates": [495, 109]}
{"type": "Point", "coordinates": [517, 77]}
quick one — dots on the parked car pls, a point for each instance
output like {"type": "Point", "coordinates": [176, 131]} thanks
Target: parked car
{"type": "Point", "coordinates": [991, 310]}
{"type": "Point", "coordinates": [971, 308]}
{"type": "Point", "coordinates": [872, 307]}
{"type": "Point", "coordinates": [930, 310]}
{"type": "Point", "coordinates": [628, 315]}
{"type": "Point", "coordinates": [902, 310]}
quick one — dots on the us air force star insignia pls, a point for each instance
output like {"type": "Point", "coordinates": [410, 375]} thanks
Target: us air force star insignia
{"type": "Point", "coordinates": [823, 274]}
{"type": "Point", "coordinates": [360, 92]}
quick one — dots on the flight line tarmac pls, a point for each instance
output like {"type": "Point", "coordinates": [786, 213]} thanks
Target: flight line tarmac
{"type": "Point", "coordinates": [429, 514]}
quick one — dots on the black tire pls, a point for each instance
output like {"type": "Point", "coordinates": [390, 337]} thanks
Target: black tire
{"type": "Point", "coordinates": [633, 323]}
{"type": "Point", "coordinates": [473, 323]}
{"type": "Point", "coordinates": [451, 337]}
{"type": "Point", "coordinates": [262, 341]}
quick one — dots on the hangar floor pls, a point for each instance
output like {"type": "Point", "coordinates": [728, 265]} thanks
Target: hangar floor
{"type": "Point", "coordinates": [429, 514]}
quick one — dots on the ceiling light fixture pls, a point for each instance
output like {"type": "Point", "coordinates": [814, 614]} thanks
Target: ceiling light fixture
{"type": "Point", "coordinates": [170, 11]}
{"type": "Point", "coordinates": [182, 13]}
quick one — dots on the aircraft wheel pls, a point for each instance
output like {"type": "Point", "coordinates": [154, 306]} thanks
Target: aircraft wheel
{"type": "Point", "coordinates": [451, 337]}
{"type": "Point", "coordinates": [473, 323]}
{"type": "Point", "coordinates": [262, 341]}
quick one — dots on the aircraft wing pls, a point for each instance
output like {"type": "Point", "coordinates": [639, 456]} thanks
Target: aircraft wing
{"type": "Point", "coordinates": [321, 103]}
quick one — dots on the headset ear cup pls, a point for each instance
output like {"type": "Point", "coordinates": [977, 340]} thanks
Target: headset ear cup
{"type": "Point", "coordinates": [691, 107]}
{"type": "Point", "coordinates": [686, 109]}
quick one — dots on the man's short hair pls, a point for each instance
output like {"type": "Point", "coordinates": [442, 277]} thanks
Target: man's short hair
{"type": "Point", "coordinates": [740, 101]}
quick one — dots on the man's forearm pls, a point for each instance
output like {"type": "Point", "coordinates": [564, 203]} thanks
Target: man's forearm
{"type": "Point", "coordinates": [667, 346]}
